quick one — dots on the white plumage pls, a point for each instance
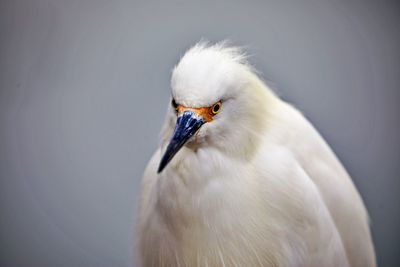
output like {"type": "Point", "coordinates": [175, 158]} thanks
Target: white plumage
{"type": "Point", "coordinates": [255, 185]}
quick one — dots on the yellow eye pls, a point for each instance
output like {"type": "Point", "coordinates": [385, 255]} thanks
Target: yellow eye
{"type": "Point", "coordinates": [216, 108]}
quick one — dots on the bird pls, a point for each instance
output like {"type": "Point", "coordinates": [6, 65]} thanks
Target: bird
{"type": "Point", "coordinates": [242, 178]}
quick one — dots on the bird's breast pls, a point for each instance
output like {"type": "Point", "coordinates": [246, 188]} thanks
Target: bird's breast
{"type": "Point", "coordinates": [202, 188]}
{"type": "Point", "coordinates": [204, 217]}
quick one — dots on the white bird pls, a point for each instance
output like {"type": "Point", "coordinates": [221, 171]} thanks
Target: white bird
{"type": "Point", "coordinates": [241, 178]}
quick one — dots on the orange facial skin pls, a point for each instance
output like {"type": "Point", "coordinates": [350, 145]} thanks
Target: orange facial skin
{"type": "Point", "coordinates": [204, 113]}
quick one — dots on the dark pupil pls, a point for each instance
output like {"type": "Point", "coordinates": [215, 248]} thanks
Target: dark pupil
{"type": "Point", "coordinates": [216, 108]}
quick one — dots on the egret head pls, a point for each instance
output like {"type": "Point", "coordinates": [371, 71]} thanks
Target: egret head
{"type": "Point", "coordinates": [217, 100]}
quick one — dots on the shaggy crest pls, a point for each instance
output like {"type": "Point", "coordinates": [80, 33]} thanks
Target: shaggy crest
{"type": "Point", "coordinates": [231, 52]}
{"type": "Point", "coordinates": [206, 68]}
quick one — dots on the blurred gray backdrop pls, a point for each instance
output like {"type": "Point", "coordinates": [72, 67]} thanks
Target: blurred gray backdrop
{"type": "Point", "coordinates": [84, 85]}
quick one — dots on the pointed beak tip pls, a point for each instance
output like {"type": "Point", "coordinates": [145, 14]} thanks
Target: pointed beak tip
{"type": "Point", "coordinates": [160, 168]}
{"type": "Point", "coordinates": [186, 126]}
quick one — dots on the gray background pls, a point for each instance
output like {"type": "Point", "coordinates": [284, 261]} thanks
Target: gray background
{"type": "Point", "coordinates": [85, 84]}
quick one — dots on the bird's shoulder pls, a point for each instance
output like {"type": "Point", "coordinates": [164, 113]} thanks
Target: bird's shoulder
{"type": "Point", "coordinates": [292, 201]}
{"type": "Point", "coordinates": [297, 142]}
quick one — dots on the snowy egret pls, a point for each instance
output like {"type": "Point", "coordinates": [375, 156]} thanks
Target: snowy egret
{"type": "Point", "coordinates": [241, 178]}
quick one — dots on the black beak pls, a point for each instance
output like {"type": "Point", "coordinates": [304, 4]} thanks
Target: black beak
{"type": "Point", "coordinates": [187, 125]}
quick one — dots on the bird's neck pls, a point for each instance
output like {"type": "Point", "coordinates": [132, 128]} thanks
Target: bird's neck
{"type": "Point", "coordinates": [215, 157]}
{"type": "Point", "coordinates": [197, 186]}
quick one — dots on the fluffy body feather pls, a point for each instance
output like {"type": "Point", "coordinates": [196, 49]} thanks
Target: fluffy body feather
{"type": "Point", "coordinates": [257, 186]}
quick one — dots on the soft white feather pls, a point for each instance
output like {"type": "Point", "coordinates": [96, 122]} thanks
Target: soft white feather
{"type": "Point", "coordinates": [257, 186]}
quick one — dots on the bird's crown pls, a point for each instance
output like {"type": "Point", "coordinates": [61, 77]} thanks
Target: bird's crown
{"type": "Point", "coordinates": [206, 73]}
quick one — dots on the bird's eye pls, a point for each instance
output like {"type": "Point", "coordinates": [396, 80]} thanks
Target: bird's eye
{"type": "Point", "coordinates": [216, 108]}
{"type": "Point", "coordinates": [174, 104]}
